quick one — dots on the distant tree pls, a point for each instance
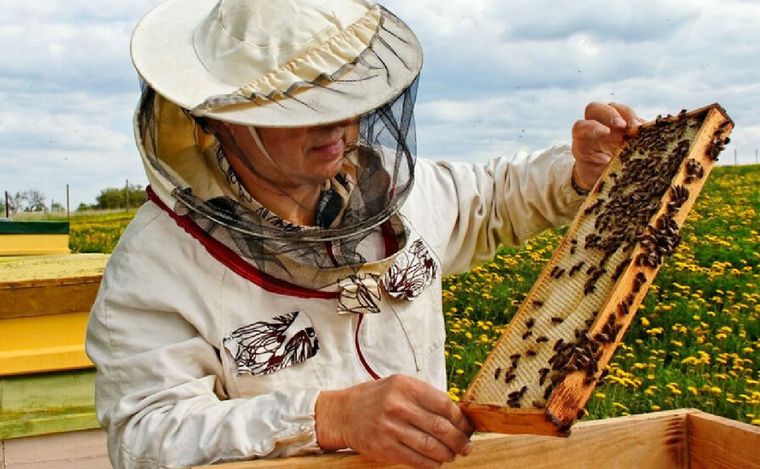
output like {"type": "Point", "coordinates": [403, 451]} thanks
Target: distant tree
{"type": "Point", "coordinates": [18, 202]}
{"type": "Point", "coordinates": [31, 200]}
{"type": "Point", "coordinates": [56, 207]}
{"type": "Point", "coordinates": [83, 206]}
{"type": "Point", "coordinates": [35, 201]}
{"type": "Point", "coordinates": [112, 197]}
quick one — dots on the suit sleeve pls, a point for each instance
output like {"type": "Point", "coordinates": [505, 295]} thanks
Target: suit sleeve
{"type": "Point", "coordinates": [473, 209]}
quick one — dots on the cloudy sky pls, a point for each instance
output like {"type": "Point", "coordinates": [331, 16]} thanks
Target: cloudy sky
{"type": "Point", "coordinates": [499, 76]}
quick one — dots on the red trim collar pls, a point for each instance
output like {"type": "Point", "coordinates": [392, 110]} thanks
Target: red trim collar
{"type": "Point", "coordinates": [236, 263]}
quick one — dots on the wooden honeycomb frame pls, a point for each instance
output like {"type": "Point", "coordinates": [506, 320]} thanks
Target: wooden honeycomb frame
{"type": "Point", "coordinates": [546, 364]}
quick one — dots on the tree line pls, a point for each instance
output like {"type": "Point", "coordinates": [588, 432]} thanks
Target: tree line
{"type": "Point", "coordinates": [33, 200]}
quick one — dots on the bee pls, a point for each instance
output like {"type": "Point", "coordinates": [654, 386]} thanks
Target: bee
{"type": "Point", "coordinates": [556, 320]}
{"type": "Point", "coordinates": [576, 268]}
{"type": "Point", "coordinates": [497, 373]}
{"type": "Point", "coordinates": [527, 334]}
{"type": "Point", "coordinates": [530, 323]}
{"type": "Point", "coordinates": [537, 303]}
{"type": "Point", "coordinates": [541, 339]}
{"type": "Point", "coordinates": [530, 353]}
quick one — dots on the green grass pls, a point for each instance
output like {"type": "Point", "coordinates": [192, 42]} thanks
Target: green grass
{"type": "Point", "coordinates": [696, 340]}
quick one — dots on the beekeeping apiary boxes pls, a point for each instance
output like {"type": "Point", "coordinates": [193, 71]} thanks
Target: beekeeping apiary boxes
{"type": "Point", "coordinates": [44, 304]}
{"type": "Point", "coordinates": [677, 439]}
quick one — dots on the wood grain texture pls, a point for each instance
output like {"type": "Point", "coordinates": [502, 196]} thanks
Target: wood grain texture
{"type": "Point", "coordinates": [489, 418]}
{"type": "Point", "coordinates": [594, 323]}
{"type": "Point", "coordinates": [45, 297]}
{"type": "Point", "coordinates": [650, 441]}
{"type": "Point", "coordinates": [717, 442]}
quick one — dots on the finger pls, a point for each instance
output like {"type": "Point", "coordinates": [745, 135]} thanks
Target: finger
{"type": "Point", "coordinates": [444, 431]}
{"type": "Point", "coordinates": [590, 130]}
{"type": "Point", "coordinates": [606, 115]}
{"type": "Point", "coordinates": [450, 427]}
{"type": "Point", "coordinates": [425, 444]}
{"type": "Point", "coordinates": [437, 402]}
{"type": "Point", "coordinates": [595, 158]}
{"type": "Point", "coordinates": [627, 113]}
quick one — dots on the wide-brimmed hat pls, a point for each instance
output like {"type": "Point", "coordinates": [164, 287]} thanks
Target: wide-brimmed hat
{"type": "Point", "coordinates": [276, 63]}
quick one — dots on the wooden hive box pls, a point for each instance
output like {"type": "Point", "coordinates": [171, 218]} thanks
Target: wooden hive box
{"type": "Point", "coordinates": [44, 305]}
{"type": "Point", "coordinates": [33, 238]}
{"type": "Point", "coordinates": [676, 439]}
{"type": "Point", "coordinates": [544, 368]}
{"type": "Point", "coordinates": [46, 379]}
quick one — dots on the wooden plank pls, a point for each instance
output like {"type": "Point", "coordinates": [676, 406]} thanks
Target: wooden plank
{"type": "Point", "coordinates": [650, 441]}
{"type": "Point", "coordinates": [717, 442]}
{"type": "Point", "coordinates": [488, 418]}
{"type": "Point", "coordinates": [33, 244]}
{"type": "Point", "coordinates": [45, 285]}
{"type": "Point", "coordinates": [46, 297]}
{"type": "Point", "coordinates": [80, 450]}
{"type": "Point", "coordinates": [43, 344]}
{"type": "Point", "coordinates": [48, 403]}
{"type": "Point", "coordinates": [20, 269]}
{"type": "Point", "coordinates": [574, 317]}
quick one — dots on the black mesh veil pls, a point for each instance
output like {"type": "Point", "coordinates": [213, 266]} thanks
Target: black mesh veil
{"type": "Point", "coordinates": [383, 158]}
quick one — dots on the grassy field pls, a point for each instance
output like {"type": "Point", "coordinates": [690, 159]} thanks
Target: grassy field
{"type": "Point", "coordinates": [696, 340]}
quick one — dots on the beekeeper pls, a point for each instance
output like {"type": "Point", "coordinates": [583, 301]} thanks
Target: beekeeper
{"type": "Point", "coordinates": [280, 293]}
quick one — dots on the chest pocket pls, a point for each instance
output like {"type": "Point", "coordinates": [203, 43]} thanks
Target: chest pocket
{"type": "Point", "coordinates": [265, 355]}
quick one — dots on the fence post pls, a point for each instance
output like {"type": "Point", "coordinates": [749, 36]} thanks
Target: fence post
{"type": "Point", "coordinates": [7, 205]}
{"type": "Point", "coordinates": [126, 192]}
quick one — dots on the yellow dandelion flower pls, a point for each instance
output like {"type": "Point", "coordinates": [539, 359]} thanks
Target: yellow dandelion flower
{"type": "Point", "coordinates": [620, 406]}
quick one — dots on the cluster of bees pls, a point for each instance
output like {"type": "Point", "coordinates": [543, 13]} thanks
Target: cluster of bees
{"type": "Point", "coordinates": [623, 215]}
